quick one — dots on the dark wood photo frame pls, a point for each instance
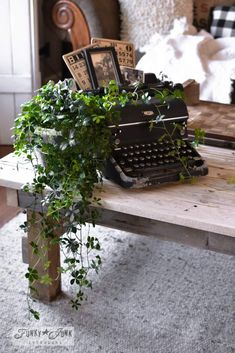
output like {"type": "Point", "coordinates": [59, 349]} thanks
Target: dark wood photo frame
{"type": "Point", "coordinates": [103, 66]}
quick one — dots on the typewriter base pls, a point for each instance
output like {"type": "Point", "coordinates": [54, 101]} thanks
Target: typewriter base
{"type": "Point", "coordinates": [139, 178]}
{"type": "Point", "coordinates": [157, 179]}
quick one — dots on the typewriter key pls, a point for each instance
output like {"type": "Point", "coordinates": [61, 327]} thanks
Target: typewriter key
{"type": "Point", "coordinates": [148, 164]}
{"type": "Point", "coordinates": [127, 170]}
{"type": "Point", "coordinates": [136, 166]}
{"type": "Point", "coordinates": [142, 159]}
{"type": "Point", "coordinates": [142, 165]}
{"type": "Point", "coordinates": [148, 157]}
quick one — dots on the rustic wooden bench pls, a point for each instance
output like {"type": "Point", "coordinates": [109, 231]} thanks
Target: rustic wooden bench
{"type": "Point", "coordinates": [201, 214]}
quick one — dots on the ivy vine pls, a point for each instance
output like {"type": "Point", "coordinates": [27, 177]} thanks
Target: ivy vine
{"type": "Point", "coordinates": [70, 129]}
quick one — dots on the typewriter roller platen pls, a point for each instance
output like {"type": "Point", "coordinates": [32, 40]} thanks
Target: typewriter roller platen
{"type": "Point", "coordinates": [145, 156]}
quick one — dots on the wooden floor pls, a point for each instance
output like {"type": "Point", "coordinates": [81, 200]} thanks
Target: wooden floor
{"type": "Point", "coordinates": [214, 118]}
{"type": "Point", "coordinates": [6, 212]}
{"type": "Point", "coordinates": [5, 149]}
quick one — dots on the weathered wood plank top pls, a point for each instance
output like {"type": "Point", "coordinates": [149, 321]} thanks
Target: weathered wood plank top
{"type": "Point", "coordinates": [15, 171]}
{"type": "Point", "coordinates": [208, 204]}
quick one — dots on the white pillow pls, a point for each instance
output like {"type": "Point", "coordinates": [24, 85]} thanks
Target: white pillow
{"type": "Point", "coordinates": [140, 19]}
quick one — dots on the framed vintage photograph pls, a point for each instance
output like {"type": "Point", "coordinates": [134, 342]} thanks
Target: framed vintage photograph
{"type": "Point", "coordinates": [131, 76]}
{"type": "Point", "coordinates": [102, 66]}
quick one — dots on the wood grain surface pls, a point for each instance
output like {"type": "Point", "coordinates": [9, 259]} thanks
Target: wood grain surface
{"type": "Point", "coordinates": [208, 204]}
{"type": "Point", "coordinates": [214, 118]}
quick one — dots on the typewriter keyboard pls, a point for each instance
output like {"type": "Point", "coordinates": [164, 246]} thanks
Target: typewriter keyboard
{"type": "Point", "coordinates": [140, 159]}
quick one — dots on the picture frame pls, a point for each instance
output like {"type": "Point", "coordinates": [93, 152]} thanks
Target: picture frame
{"type": "Point", "coordinates": [103, 66]}
{"type": "Point", "coordinates": [131, 76]}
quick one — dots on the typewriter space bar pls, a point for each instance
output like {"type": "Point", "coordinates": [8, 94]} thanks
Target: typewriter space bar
{"type": "Point", "coordinates": [158, 173]}
{"type": "Point", "coordinates": [163, 176]}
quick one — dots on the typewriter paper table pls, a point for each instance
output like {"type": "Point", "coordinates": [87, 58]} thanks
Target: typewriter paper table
{"type": "Point", "coordinates": [201, 214]}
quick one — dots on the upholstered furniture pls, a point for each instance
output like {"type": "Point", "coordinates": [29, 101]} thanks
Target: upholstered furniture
{"type": "Point", "coordinates": [77, 21]}
{"type": "Point", "coordinates": [116, 18]}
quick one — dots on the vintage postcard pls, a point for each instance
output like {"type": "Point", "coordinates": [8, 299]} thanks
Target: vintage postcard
{"type": "Point", "coordinates": [77, 66]}
{"type": "Point", "coordinates": [125, 50]}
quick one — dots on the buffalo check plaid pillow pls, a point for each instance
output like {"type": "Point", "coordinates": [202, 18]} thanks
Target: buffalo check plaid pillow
{"type": "Point", "coordinates": [223, 21]}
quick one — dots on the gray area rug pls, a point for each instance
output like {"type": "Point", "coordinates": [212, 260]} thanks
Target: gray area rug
{"type": "Point", "coordinates": [150, 297]}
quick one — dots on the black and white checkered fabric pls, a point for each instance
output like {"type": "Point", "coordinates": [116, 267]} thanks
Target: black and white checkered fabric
{"type": "Point", "coordinates": [223, 21]}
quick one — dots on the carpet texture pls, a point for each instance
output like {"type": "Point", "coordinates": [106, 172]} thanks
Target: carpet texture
{"type": "Point", "coordinates": [150, 297]}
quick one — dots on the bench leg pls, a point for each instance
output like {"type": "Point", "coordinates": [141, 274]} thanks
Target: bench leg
{"type": "Point", "coordinates": [44, 292]}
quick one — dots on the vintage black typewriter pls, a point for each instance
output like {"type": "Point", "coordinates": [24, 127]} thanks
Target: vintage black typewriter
{"type": "Point", "coordinates": [147, 152]}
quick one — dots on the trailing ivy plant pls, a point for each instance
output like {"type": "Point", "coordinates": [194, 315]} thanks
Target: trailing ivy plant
{"type": "Point", "coordinates": [70, 129]}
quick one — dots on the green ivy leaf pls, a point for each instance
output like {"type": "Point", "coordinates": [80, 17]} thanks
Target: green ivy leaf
{"type": "Point", "coordinates": [32, 274]}
{"type": "Point", "coordinates": [46, 279]}
{"type": "Point", "coordinates": [199, 135]}
{"type": "Point", "coordinates": [232, 180]}
{"type": "Point", "coordinates": [35, 314]}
